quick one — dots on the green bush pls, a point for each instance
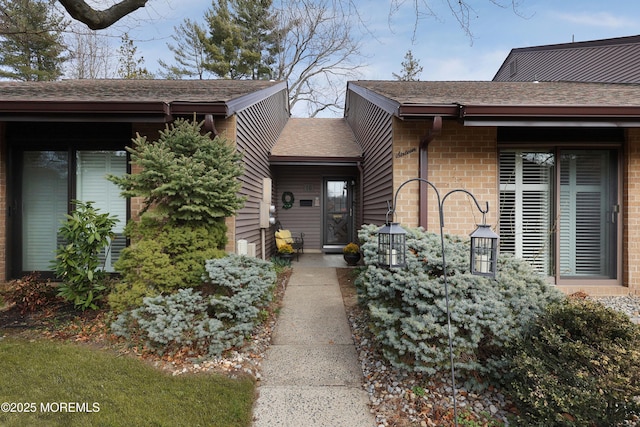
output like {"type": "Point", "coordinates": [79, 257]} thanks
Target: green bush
{"type": "Point", "coordinates": [240, 287]}
{"type": "Point", "coordinates": [186, 177]}
{"type": "Point", "coordinates": [86, 233]}
{"type": "Point", "coordinates": [164, 258]}
{"type": "Point", "coordinates": [578, 364]}
{"type": "Point", "coordinates": [408, 313]}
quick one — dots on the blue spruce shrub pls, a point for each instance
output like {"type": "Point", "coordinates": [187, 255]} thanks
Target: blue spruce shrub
{"type": "Point", "coordinates": [171, 323]}
{"type": "Point", "coordinates": [240, 287]}
{"type": "Point", "coordinates": [408, 312]}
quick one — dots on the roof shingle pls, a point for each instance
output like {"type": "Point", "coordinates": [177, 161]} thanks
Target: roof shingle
{"type": "Point", "coordinates": [319, 138]}
{"type": "Point", "coordinates": [505, 93]}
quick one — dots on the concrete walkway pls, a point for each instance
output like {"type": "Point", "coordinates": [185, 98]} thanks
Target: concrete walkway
{"type": "Point", "coordinates": [311, 375]}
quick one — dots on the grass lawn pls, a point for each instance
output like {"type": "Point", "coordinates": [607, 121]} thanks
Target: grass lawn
{"type": "Point", "coordinates": [118, 390]}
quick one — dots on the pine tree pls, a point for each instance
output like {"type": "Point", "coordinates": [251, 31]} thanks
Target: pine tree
{"type": "Point", "coordinates": [186, 178]}
{"type": "Point", "coordinates": [189, 52]}
{"type": "Point", "coordinates": [241, 39]}
{"type": "Point", "coordinates": [31, 43]}
{"type": "Point", "coordinates": [411, 69]}
{"type": "Point", "coordinates": [131, 67]}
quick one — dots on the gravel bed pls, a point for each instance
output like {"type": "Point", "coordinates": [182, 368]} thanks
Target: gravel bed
{"type": "Point", "coordinates": [630, 305]}
{"type": "Point", "coordinates": [397, 397]}
{"type": "Point", "coordinates": [401, 398]}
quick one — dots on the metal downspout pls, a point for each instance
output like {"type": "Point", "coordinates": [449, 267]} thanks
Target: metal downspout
{"type": "Point", "coordinates": [436, 130]}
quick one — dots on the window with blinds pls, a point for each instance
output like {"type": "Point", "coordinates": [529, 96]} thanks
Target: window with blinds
{"type": "Point", "coordinates": [526, 198]}
{"type": "Point", "coordinates": [45, 200]}
{"type": "Point", "coordinates": [44, 205]}
{"type": "Point", "coordinates": [92, 168]}
{"type": "Point", "coordinates": [577, 214]}
{"type": "Point", "coordinates": [587, 224]}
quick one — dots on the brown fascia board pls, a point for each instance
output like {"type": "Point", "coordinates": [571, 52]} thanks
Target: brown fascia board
{"type": "Point", "coordinates": [229, 107]}
{"type": "Point", "coordinates": [422, 110]}
{"type": "Point", "coordinates": [182, 108]}
{"type": "Point", "coordinates": [550, 111]}
{"type": "Point", "coordinates": [126, 111]}
{"type": "Point", "coordinates": [386, 104]}
{"type": "Point", "coordinates": [311, 160]}
{"type": "Point", "coordinates": [84, 110]}
{"type": "Point", "coordinates": [478, 113]}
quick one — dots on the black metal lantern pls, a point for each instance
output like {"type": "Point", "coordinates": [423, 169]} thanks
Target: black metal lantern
{"type": "Point", "coordinates": [484, 251]}
{"type": "Point", "coordinates": [391, 246]}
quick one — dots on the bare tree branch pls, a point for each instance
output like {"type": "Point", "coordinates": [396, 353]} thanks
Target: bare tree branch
{"type": "Point", "coordinates": [318, 53]}
{"type": "Point", "coordinates": [100, 19]}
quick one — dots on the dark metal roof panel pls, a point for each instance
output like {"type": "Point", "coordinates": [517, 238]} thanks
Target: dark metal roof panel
{"type": "Point", "coordinates": [602, 61]}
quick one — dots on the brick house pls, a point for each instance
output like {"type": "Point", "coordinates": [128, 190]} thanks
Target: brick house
{"type": "Point", "coordinates": [59, 139]}
{"type": "Point", "coordinates": [558, 163]}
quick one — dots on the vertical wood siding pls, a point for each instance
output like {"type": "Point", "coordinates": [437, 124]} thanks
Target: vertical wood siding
{"type": "Point", "coordinates": [373, 129]}
{"type": "Point", "coordinates": [257, 129]}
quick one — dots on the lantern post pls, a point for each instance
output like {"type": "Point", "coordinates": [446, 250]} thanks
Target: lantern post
{"type": "Point", "coordinates": [392, 251]}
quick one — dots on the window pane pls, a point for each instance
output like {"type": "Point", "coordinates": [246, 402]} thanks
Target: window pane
{"type": "Point", "coordinates": [44, 205]}
{"type": "Point", "coordinates": [588, 194]}
{"type": "Point", "coordinates": [526, 197]}
{"type": "Point", "coordinates": [92, 185]}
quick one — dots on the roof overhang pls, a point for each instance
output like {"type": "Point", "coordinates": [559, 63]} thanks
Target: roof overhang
{"type": "Point", "coordinates": [314, 161]}
{"type": "Point", "coordinates": [550, 116]}
{"type": "Point", "coordinates": [527, 115]}
{"type": "Point", "coordinates": [152, 111]}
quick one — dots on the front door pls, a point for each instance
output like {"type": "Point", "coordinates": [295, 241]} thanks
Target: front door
{"type": "Point", "coordinates": [338, 213]}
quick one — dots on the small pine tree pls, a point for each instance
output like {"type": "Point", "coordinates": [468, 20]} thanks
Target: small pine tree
{"type": "Point", "coordinates": [187, 178]}
{"type": "Point", "coordinates": [411, 69]}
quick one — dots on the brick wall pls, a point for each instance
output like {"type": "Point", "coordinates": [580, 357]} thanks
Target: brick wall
{"type": "Point", "coordinates": [460, 158]}
{"type": "Point", "coordinates": [631, 212]}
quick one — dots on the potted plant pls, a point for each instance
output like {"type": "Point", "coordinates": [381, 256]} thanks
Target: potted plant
{"type": "Point", "coordinates": [351, 254]}
{"type": "Point", "coordinates": [286, 252]}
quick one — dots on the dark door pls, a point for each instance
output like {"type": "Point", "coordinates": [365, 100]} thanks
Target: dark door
{"type": "Point", "coordinates": [338, 213]}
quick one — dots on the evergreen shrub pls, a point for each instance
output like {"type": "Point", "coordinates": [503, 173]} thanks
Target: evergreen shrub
{"type": "Point", "coordinates": [86, 232]}
{"type": "Point", "coordinates": [164, 258]}
{"type": "Point", "coordinates": [408, 313]}
{"type": "Point", "coordinates": [186, 177]}
{"type": "Point", "coordinates": [239, 288]}
{"type": "Point", "coordinates": [577, 364]}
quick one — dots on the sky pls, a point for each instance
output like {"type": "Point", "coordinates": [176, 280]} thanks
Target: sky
{"type": "Point", "coordinates": [442, 48]}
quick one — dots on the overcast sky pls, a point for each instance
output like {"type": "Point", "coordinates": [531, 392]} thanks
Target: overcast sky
{"type": "Point", "coordinates": [442, 47]}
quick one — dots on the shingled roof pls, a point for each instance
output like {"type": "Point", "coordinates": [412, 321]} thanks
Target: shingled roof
{"type": "Point", "coordinates": [316, 140]}
{"type": "Point", "coordinates": [598, 102]}
{"type": "Point", "coordinates": [615, 60]}
{"type": "Point", "coordinates": [129, 98]}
